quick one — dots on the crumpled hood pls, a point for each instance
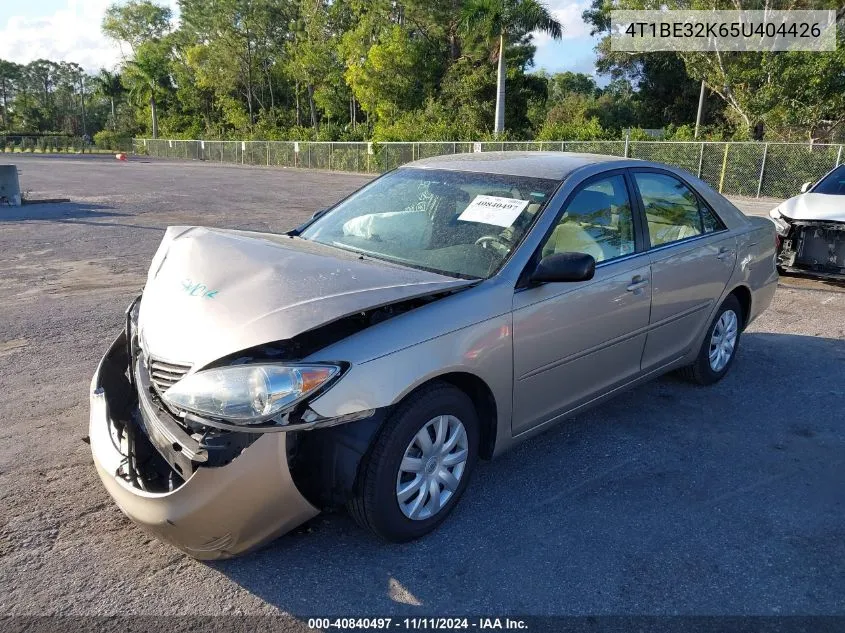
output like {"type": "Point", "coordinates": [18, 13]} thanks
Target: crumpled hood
{"type": "Point", "coordinates": [213, 292]}
{"type": "Point", "coordinates": [814, 206]}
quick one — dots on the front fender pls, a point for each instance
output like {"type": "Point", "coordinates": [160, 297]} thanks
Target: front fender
{"type": "Point", "coordinates": [483, 349]}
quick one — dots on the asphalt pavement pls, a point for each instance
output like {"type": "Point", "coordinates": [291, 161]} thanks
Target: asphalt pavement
{"type": "Point", "coordinates": [671, 499]}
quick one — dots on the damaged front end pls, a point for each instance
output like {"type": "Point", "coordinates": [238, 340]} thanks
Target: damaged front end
{"type": "Point", "coordinates": [815, 248]}
{"type": "Point", "coordinates": [213, 486]}
{"type": "Point", "coordinates": [211, 492]}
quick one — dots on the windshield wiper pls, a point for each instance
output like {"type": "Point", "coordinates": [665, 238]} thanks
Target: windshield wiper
{"type": "Point", "coordinates": [298, 230]}
{"type": "Point", "coordinates": [400, 263]}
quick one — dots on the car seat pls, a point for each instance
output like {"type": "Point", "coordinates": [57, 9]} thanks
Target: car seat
{"type": "Point", "coordinates": [589, 210]}
{"type": "Point", "coordinates": [662, 231]}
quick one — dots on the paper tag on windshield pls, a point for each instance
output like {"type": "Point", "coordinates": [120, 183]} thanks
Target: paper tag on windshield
{"type": "Point", "coordinates": [493, 210]}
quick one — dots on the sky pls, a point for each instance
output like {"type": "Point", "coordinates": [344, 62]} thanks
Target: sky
{"type": "Point", "coordinates": [69, 30]}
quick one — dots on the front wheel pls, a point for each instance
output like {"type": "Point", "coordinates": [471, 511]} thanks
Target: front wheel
{"type": "Point", "coordinates": [419, 465]}
{"type": "Point", "coordinates": [719, 347]}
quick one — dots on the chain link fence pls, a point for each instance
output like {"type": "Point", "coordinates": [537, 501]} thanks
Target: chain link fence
{"type": "Point", "coordinates": [43, 144]}
{"type": "Point", "coordinates": [355, 157]}
{"type": "Point", "coordinates": [743, 169]}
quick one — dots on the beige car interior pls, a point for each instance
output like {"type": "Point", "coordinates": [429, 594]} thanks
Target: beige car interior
{"type": "Point", "coordinates": [596, 223]}
{"type": "Point", "coordinates": [662, 230]}
{"type": "Point", "coordinates": [671, 209]}
{"type": "Point", "coordinates": [412, 227]}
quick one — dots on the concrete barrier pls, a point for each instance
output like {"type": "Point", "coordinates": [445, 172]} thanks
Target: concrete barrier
{"type": "Point", "coordinates": [10, 189]}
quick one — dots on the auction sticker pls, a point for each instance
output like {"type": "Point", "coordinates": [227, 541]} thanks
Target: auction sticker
{"type": "Point", "coordinates": [493, 210]}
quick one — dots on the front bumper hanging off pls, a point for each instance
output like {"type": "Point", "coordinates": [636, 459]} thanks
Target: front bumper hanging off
{"type": "Point", "coordinates": [219, 511]}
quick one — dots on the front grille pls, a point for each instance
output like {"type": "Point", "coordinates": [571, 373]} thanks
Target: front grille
{"type": "Point", "coordinates": [821, 247]}
{"type": "Point", "coordinates": [164, 375]}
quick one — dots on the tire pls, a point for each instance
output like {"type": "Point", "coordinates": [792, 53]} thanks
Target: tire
{"type": "Point", "coordinates": [702, 371]}
{"type": "Point", "coordinates": [374, 503]}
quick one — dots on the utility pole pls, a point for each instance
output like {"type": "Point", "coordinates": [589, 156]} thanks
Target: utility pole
{"type": "Point", "coordinates": [499, 125]}
{"type": "Point", "coordinates": [700, 109]}
{"type": "Point", "coordinates": [82, 98]}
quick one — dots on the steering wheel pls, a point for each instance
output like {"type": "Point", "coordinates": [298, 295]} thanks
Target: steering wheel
{"type": "Point", "coordinates": [491, 242]}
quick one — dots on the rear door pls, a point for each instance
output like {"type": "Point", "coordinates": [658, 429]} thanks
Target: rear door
{"type": "Point", "coordinates": [692, 258]}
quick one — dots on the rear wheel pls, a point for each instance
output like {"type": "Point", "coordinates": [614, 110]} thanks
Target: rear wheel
{"type": "Point", "coordinates": [719, 347]}
{"type": "Point", "coordinates": [419, 466]}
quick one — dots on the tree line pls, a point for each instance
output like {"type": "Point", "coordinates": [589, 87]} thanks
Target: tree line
{"type": "Point", "coordinates": [45, 95]}
{"type": "Point", "coordinates": [412, 70]}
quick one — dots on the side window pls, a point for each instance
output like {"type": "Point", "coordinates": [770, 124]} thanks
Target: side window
{"type": "Point", "coordinates": [671, 209]}
{"type": "Point", "coordinates": [597, 221]}
{"type": "Point", "coordinates": [711, 221]}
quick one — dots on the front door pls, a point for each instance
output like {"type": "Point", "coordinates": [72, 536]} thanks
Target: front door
{"type": "Point", "coordinates": [575, 340]}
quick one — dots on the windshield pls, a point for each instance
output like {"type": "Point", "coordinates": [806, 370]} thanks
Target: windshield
{"type": "Point", "coordinates": [458, 223]}
{"type": "Point", "coordinates": [832, 184]}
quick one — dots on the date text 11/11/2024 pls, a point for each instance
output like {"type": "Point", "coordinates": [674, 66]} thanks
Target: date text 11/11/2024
{"type": "Point", "coordinates": [418, 624]}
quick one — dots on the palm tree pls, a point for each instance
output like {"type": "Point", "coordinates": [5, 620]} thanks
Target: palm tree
{"type": "Point", "coordinates": [502, 19]}
{"type": "Point", "coordinates": [144, 86]}
{"type": "Point", "coordinates": [145, 80]}
{"type": "Point", "coordinates": [111, 87]}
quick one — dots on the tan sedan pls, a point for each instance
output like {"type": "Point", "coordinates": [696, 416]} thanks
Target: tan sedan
{"type": "Point", "coordinates": [441, 314]}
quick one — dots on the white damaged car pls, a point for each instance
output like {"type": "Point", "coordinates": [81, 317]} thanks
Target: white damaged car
{"type": "Point", "coordinates": [811, 228]}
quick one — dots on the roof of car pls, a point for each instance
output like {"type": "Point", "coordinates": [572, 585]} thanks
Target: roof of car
{"type": "Point", "coordinates": [551, 165]}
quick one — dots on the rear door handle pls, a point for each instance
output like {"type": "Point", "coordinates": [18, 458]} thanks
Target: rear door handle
{"type": "Point", "coordinates": [724, 252]}
{"type": "Point", "coordinates": [636, 283]}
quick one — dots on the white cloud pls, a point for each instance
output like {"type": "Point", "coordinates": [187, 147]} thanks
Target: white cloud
{"type": "Point", "coordinates": [574, 51]}
{"type": "Point", "coordinates": [568, 13]}
{"type": "Point", "coordinates": [70, 34]}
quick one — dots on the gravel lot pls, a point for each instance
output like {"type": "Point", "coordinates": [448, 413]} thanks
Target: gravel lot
{"type": "Point", "coordinates": [669, 500]}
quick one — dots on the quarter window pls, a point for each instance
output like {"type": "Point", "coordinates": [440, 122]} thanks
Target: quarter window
{"type": "Point", "coordinates": [597, 221]}
{"type": "Point", "coordinates": [709, 219]}
{"type": "Point", "coordinates": [673, 212]}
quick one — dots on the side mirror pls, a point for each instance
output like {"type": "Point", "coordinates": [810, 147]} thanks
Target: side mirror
{"type": "Point", "coordinates": [806, 186]}
{"type": "Point", "coordinates": [565, 267]}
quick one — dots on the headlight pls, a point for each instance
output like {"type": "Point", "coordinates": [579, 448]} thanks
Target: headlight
{"type": "Point", "coordinates": [781, 225]}
{"type": "Point", "coordinates": [248, 394]}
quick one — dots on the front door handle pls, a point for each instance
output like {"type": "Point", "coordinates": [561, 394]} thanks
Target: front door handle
{"type": "Point", "coordinates": [636, 283]}
{"type": "Point", "coordinates": [724, 253]}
